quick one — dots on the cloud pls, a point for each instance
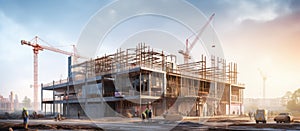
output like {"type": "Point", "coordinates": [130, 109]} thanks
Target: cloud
{"type": "Point", "coordinates": [294, 5]}
{"type": "Point", "coordinates": [260, 11]}
{"type": "Point", "coordinates": [229, 15]}
{"type": "Point", "coordinates": [272, 45]}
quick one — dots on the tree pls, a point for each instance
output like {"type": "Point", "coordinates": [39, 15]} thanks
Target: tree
{"type": "Point", "coordinates": [286, 98]}
{"type": "Point", "coordinates": [288, 94]}
{"type": "Point", "coordinates": [26, 102]}
{"type": "Point", "coordinates": [294, 103]}
{"type": "Point", "coordinates": [251, 107]}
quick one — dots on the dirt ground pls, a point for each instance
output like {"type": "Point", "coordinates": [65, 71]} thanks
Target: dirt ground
{"type": "Point", "coordinates": [216, 123]}
{"type": "Point", "coordinates": [19, 127]}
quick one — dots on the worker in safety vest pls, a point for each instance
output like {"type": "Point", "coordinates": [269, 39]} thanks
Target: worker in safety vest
{"type": "Point", "coordinates": [147, 112]}
{"type": "Point", "coordinates": [25, 117]}
{"type": "Point", "coordinates": [144, 116]}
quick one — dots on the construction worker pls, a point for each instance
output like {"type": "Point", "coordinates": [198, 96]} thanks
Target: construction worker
{"type": "Point", "coordinates": [34, 115]}
{"type": "Point", "coordinates": [57, 117]}
{"type": "Point", "coordinates": [150, 115]}
{"type": "Point", "coordinates": [78, 114]}
{"type": "Point", "coordinates": [143, 116]}
{"type": "Point", "coordinates": [147, 113]}
{"type": "Point", "coordinates": [25, 117]}
{"type": "Point", "coordinates": [250, 115]}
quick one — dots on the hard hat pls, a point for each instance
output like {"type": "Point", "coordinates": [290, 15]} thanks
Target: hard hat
{"type": "Point", "coordinates": [24, 108]}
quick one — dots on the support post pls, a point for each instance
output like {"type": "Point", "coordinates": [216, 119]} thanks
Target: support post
{"type": "Point", "coordinates": [229, 106]}
{"type": "Point", "coordinates": [60, 101]}
{"type": "Point", "coordinates": [67, 98]}
{"type": "Point", "coordinates": [42, 96]}
{"type": "Point", "coordinates": [140, 91]}
{"type": "Point", "coordinates": [53, 113]}
{"type": "Point", "coordinates": [149, 84]}
{"type": "Point", "coordinates": [45, 109]}
{"type": "Point", "coordinates": [164, 91]}
{"type": "Point", "coordinates": [51, 108]}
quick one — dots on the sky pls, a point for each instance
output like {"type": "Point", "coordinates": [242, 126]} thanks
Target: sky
{"type": "Point", "coordinates": [256, 34]}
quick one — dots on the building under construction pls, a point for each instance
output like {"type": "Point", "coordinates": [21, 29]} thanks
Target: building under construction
{"type": "Point", "coordinates": [130, 80]}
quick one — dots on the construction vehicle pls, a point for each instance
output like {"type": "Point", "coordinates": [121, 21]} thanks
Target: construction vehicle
{"type": "Point", "coordinates": [261, 115]}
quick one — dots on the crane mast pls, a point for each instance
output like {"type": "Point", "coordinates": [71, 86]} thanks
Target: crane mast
{"type": "Point", "coordinates": [264, 78]}
{"type": "Point", "coordinates": [36, 48]}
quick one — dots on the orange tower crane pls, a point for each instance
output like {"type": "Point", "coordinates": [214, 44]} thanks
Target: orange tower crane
{"type": "Point", "coordinates": [36, 48]}
{"type": "Point", "coordinates": [186, 53]}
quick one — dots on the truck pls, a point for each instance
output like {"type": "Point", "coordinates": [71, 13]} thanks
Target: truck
{"type": "Point", "coordinates": [261, 115]}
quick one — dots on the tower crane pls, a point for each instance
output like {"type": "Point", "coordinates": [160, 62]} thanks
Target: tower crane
{"type": "Point", "coordinates": [264, 77]}
{"type": "Point", "coordinates": [36, 48]}
{"type": "Point", "coordinates": [186, 53]}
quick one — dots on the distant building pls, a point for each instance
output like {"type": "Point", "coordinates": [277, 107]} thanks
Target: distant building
{"type": "Point", "coordinates": [272, 104]}
{"type": "Point", "coordinates": [12, 101]}
{"type": "Point", "coordinates": [4, 104]}
{"type": "Point", "coordinates": [16, 103]}
{"type": "Point", "coordinates": [8, 104]}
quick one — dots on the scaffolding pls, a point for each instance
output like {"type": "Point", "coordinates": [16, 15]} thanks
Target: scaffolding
{"type": "Point", "coordinates": [146, 75]}
{"type": "Point", "coordinates": [145, 57]}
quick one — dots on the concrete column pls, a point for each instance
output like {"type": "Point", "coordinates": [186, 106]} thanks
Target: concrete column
{"type": "Point", "coordinates": [216, 98]}
{"type": "Point", "coordinates": [51, 105]}
{"type": "Point", "coordinates": [85, 83]}
{"type": "Point", "coordinates": [140, 92]}
{"type": "Point", "coordinates": [149, 84]}
{"type": "Point", "coordinates": [42, 96]}
{"type": "Point", "coordinates": [241, 100]}
{"type": "Point", "coordinates": [164, 91]}
{"type": "Point", "coordinates": [45, 108]}
{"type": "Point", "coordinates": [53, 110]}
{"type": "Point", "coordinates": [121, 106]}
{"type": "Point", "coordinates": [60, 110]}
{"type": "Point", "coordinates": [164, 83]}
{"type": "Point", "coordinates": [68, 92]}
{"type": "Point", "coordinates": [229, 95]}
{"type": "Point", "coordinates": [56, 108]}
{"type": "Point", "coordinates": [102, 86]}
